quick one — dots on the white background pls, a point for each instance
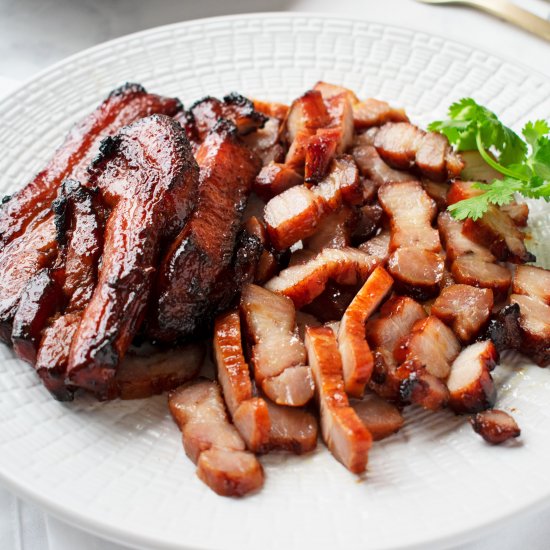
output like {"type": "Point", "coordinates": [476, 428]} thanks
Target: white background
{"type": "Point", "coordinates": [37, 33]}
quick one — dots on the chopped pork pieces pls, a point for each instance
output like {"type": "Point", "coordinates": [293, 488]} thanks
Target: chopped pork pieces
{"type": "Point", "coordinates": [309, 246]}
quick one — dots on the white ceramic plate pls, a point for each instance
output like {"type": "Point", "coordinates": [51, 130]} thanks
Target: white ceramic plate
{"type": "Point", "coordinates": [118, 469]}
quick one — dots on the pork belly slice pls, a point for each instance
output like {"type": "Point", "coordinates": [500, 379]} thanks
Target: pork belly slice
{"type": "Point", "coordinates": [211, 442]}
{"type": "Point", "coordinates": [329, 90]}
{"type": "Point", "coordinates": [345, 435]}
{"type": "Point", "coordinates": [430, 345]}
{"type": "Point", "coordinates": [437, 191]}
{"type": "Point", "coordinates": [271, 109]}
{"type": "Point", "coordinates": [274, 178]}
{"type": "Point", "coordinates": [411, 212]}
{"type": "Point", "coordinates": [292, 429]}
{"type": "Point", "coordinates": [37, 304]}
{"type": "Point", "coordinates": [466, 309]}
{"type": "Point", "coordinates": [148, 176]}
{"type": "Point", "coordinates": [381, 418]}
{"type": "Point", "coordinates": [421, 388]}
{"type": "Point", "coordinates": [357, 361]}
{"type": "Point", "coordinates": [21, 260]}
{"type": "Point", "coordinates": [271, 323]}
{"type": "Point", "coordinates": [471, 263]}
{"type": "Point", "coordinates": [373, 167]}
{"type": "Point", "coordinates": [148, 370]}
{"type": "Point", "coordinates": [534, 321]}
{"type": "Point", "coordinates": [320, 150]}
{"type": "Point", "coordinates": [532, 281]}
{"type": "Point", "coordinates": [197, 261]}
{"type": "Point", "coordinates": [123, 106]}
{"type": "Point", "coordinates": [296, 213]}
{"type": "Point", "coordinates": [397, 317]}
{"type": "Point", "coordinates": [405, 146]}
{"type": "Point", "coordinates": [378, 246]}
{"type": "Point", "coordinates": [470, 382]}
{"type": "Point", "coordinates": [518, 211]}
{"type": "Point", "coordinates": [417, 272]}
{"type": "Point", "coordinates": [495, 230]}
{"type": "Point", "coordinates": [304, 282]}
{"type": "Point", "coordinates": [373, 112]}
{"type": "Point", "coordinates": [204, 114]}
{"type": "Point", "coordinates": [495, 426]}
{"type": "Point", "coordinates": [307, 113]}
{"type": "Point", "coordinates": [265, 143]}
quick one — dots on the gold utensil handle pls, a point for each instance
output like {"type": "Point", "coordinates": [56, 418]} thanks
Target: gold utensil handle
{"type": "Point", "coordinates": [514, 14]}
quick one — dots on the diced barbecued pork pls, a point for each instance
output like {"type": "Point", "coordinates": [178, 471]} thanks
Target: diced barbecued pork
{"type": "Point", "coordinates": [373, 167]}
{"type": "Point", "coordinates": [532, 281]}
{"type": "Point", "coordinates": [411, 212]}
{"type": "Point", "coordinates": [274, 178]}
{"type": "Point", "coordinates": [373, 112]}
{"type": "Point", "coordinates": [357, 361]}
{"type": "Point", "coordinates": [271, 109]}
{"type": "Point", "coordinates": [333, 232]}
{"type": "Point", "coordinates": [437, 191]}
{"type": "Point", "coordinates": [123, 106]}
{"type": "Point", "coordinates": [37, 304]}
{"type": "Point", "coordinates": [212, 442]}
{"type": "Point", "coordinates": [304, 282]}
{"type": "Point", "coordinates": [405, 146]}
{"type": "Point", "coordinates": [147, 370]}
{"type": "Point", "coordinates": [534, 321]}
{"type": "Point", "coordinates": [518, 211]}
{"type": "Point", "coordinates": [195, 265]}
{"type": "Point", "coordinates": [329, 90]}
{"type": "Point", "coordinates": [466, 309]}
{"type": "Point", "coordinates": [204, 114]}
{"type": "Point", "coordinates": [345, 435]}
{"type": "Point", "coordinates": [495, 229]}
{"type": "Point", "coordinates": [417, 272]}
{"type": "Point", "coordinates": [378, 247]}
{"type": "Point", "coordinates": [504, 330]}
{"type": "Point", "coordinates": [264, 142]}
{"type": "Point", "coordinates": [147, 175]}
{"type": "Point", "coordinates": [271, 322]}
{"type": "Point", "coordinates": [296, 213]}
{"type": "Point", "coordinates": [471, 263]}
{"type": "Point", "coordinates": [431, 345]}
{"type": "Point", "coordinates": [307, 113]}
{"type": "Point", "coordinates": [397, 317]}
{"type": "Point", "coordinates": [470, 382]}
{"type": "Point", "coordinates": [421, 388]}
{"type": "Point", "coordinates": [495, 426]}
{"type": "Point", "coordinates": [380, 417]}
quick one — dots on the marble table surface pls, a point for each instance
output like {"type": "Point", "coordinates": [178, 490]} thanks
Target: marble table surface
{"type": "Point", "coordinates": [37, 33]}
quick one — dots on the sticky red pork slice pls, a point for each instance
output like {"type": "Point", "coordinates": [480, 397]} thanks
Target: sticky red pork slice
{"type": "Point", "coordinates": [532, 281]}
{"type": "Point", "coordinates": [495, 426]}
{"type": "Point", "coordinates": [431, 345]}
{"type": "Point", "coordinates": [381, 418]}
{"type": "Point", "coordinates": [307, 113]}
{"type": "Point", "coordinates": [212, 442]}
{"type": "Point", "coordinates": [421, 388]}
{"type": "Point", "coordinates": [357, 361]}
{"type": "Point", "coordinates": [417, 272]}
{"type": "Point", "coordinates": [405, 146]}
{"type": "Point", "coordinates": [302, 283]}
{"type": "Point", "coordinates": [411, 212]}
{"type": "Point", "coordinates": [373, 167]}
{"type": "Point", "coordinates": [345, 435]}
{"type": "Point", "coordinates": [275, 178]}
{"type": "Point", "coordinates": [271, 323]}
{"type": "Point", "coordinates": [373, 112]}
{"type": "Point", "coordinates": [534, 321]}
{"type": "Point", "coordinates": [397, 317]}
{"type": "Point", "coordinates": [296, 213]}
{"type": "Point", "coordinates": [333, 232]}
{"type": "Point", "coordinates": [466, 309]}
{"type": "Point", "coordinates": [329, 90]}
{"type": "Point", "coordinates": [378, 247]}
{"type": "Point", "coordinates": [470, 382]}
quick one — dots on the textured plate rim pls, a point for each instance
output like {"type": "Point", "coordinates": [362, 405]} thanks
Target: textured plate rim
{"type": "Point", "coordinates": [125, 537]}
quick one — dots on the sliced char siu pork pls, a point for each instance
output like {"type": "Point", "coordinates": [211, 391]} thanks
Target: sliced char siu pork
{"type": "Point", "coordinates": [415, 263]}
{"type": "Point", "coordinates": [27, 232]}
{"type": "Point", "coordinates": [495, 426]}
{"type": "Point", "coordinates": [263, 425]}
{"type": "Point", "coordinates": [346, 436]}
{"type": "Point", "coordinates": [212, 442]}
{"type": "Point", "coordinates": [194, 267]}
{"type": "Point", "coordinates": [148, 177]}
{"type": "Point", "coordinates": [531, 291]}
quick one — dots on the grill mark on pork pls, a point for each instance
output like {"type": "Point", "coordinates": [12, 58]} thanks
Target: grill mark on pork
{"type": "Point", "coordinates": [345, 435]}
{"type": "Point", "coordinates": [148, 177]}
{"type": "Point", "coordinates": [203, 250]}
{"type": "Point", "coordinates": [211, 442]}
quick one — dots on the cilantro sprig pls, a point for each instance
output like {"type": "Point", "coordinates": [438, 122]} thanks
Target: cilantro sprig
{"type": "Point", "coordinates": [524, 163]}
